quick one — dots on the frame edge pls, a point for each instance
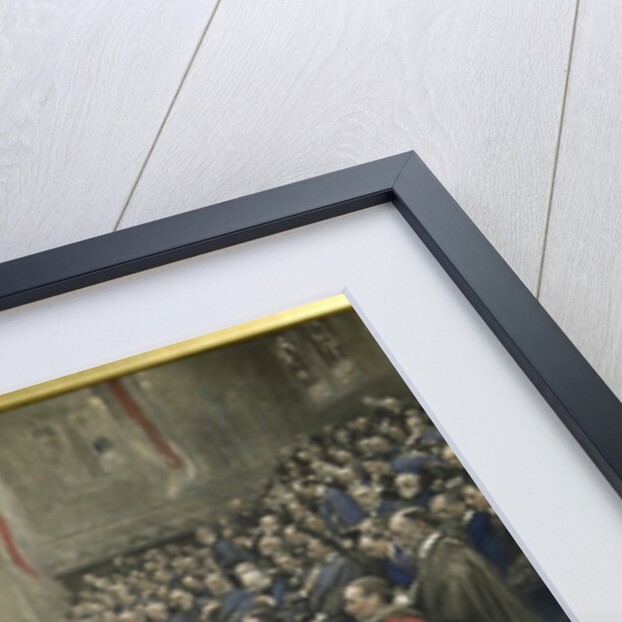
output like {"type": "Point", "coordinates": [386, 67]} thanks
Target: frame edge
{"type": "Point", "coordinates": [568, 383]}
{"type": "Point", "coordinates": [153, 244]}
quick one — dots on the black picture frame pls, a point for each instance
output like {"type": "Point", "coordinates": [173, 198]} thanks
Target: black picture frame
{"type": "Point", "coordinates": [573, 389]}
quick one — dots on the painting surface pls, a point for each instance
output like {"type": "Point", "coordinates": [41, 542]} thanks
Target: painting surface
{"type": "Point", "coordinates": [291, 477]}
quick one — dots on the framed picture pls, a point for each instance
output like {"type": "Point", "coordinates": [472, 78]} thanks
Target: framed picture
{"type": "Point", "coordinates": [508, 398]}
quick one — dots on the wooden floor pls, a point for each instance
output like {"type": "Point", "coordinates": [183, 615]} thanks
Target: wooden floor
{"type": "Point", "coordinates": [113, 114]}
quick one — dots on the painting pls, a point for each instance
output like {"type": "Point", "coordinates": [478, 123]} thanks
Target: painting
{"type": "Point", "coordinates": [282, 475]}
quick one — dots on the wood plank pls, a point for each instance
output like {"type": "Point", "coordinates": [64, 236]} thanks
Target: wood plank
{"type": "Point", "coordinates": [279, 92]}
{"type": "Point", "coordinates": [84, 87]}
{"type": "Point", "coordinates": [582, 272]}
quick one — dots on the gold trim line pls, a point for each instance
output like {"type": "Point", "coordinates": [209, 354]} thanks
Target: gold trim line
{"type": "Point", "coordinates": [166, 354]}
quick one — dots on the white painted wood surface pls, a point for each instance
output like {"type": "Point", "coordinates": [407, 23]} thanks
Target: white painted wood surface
{"type": "Point", "coordinates": [84, 88]}
{"type": "Point", "coordinates": [582, 272]}
{"type": "Point", "coordinates": [282, 91]}
{"type": "Point", "coordinates": [278, 92]}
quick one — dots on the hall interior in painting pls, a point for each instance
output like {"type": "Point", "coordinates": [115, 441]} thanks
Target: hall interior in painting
{"type": "Point", "coordinates": [291, 477]}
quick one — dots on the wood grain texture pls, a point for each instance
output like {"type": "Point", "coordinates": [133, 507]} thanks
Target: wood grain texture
{"type": "Point", "coordinates": [582, 271]}
{"type": "Point", "coordinates": [84, 87]}
{"type": "Point", "coordinates": [280, 92]}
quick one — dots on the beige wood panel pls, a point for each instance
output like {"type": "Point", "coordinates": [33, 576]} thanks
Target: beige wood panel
{"type": "Point", "coordinates": [282, 91]}
{"type": "Point", "coordinates": [84, 87]}
{"type": "Point", "coordinates": [582, 272]}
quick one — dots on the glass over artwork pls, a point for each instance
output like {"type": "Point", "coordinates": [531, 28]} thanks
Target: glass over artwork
{"type": "Point", "coordinates": [289, 476]}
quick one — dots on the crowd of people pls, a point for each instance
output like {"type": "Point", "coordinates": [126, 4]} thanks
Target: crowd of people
{"type": "Point", "coordinates": [373, 520]}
